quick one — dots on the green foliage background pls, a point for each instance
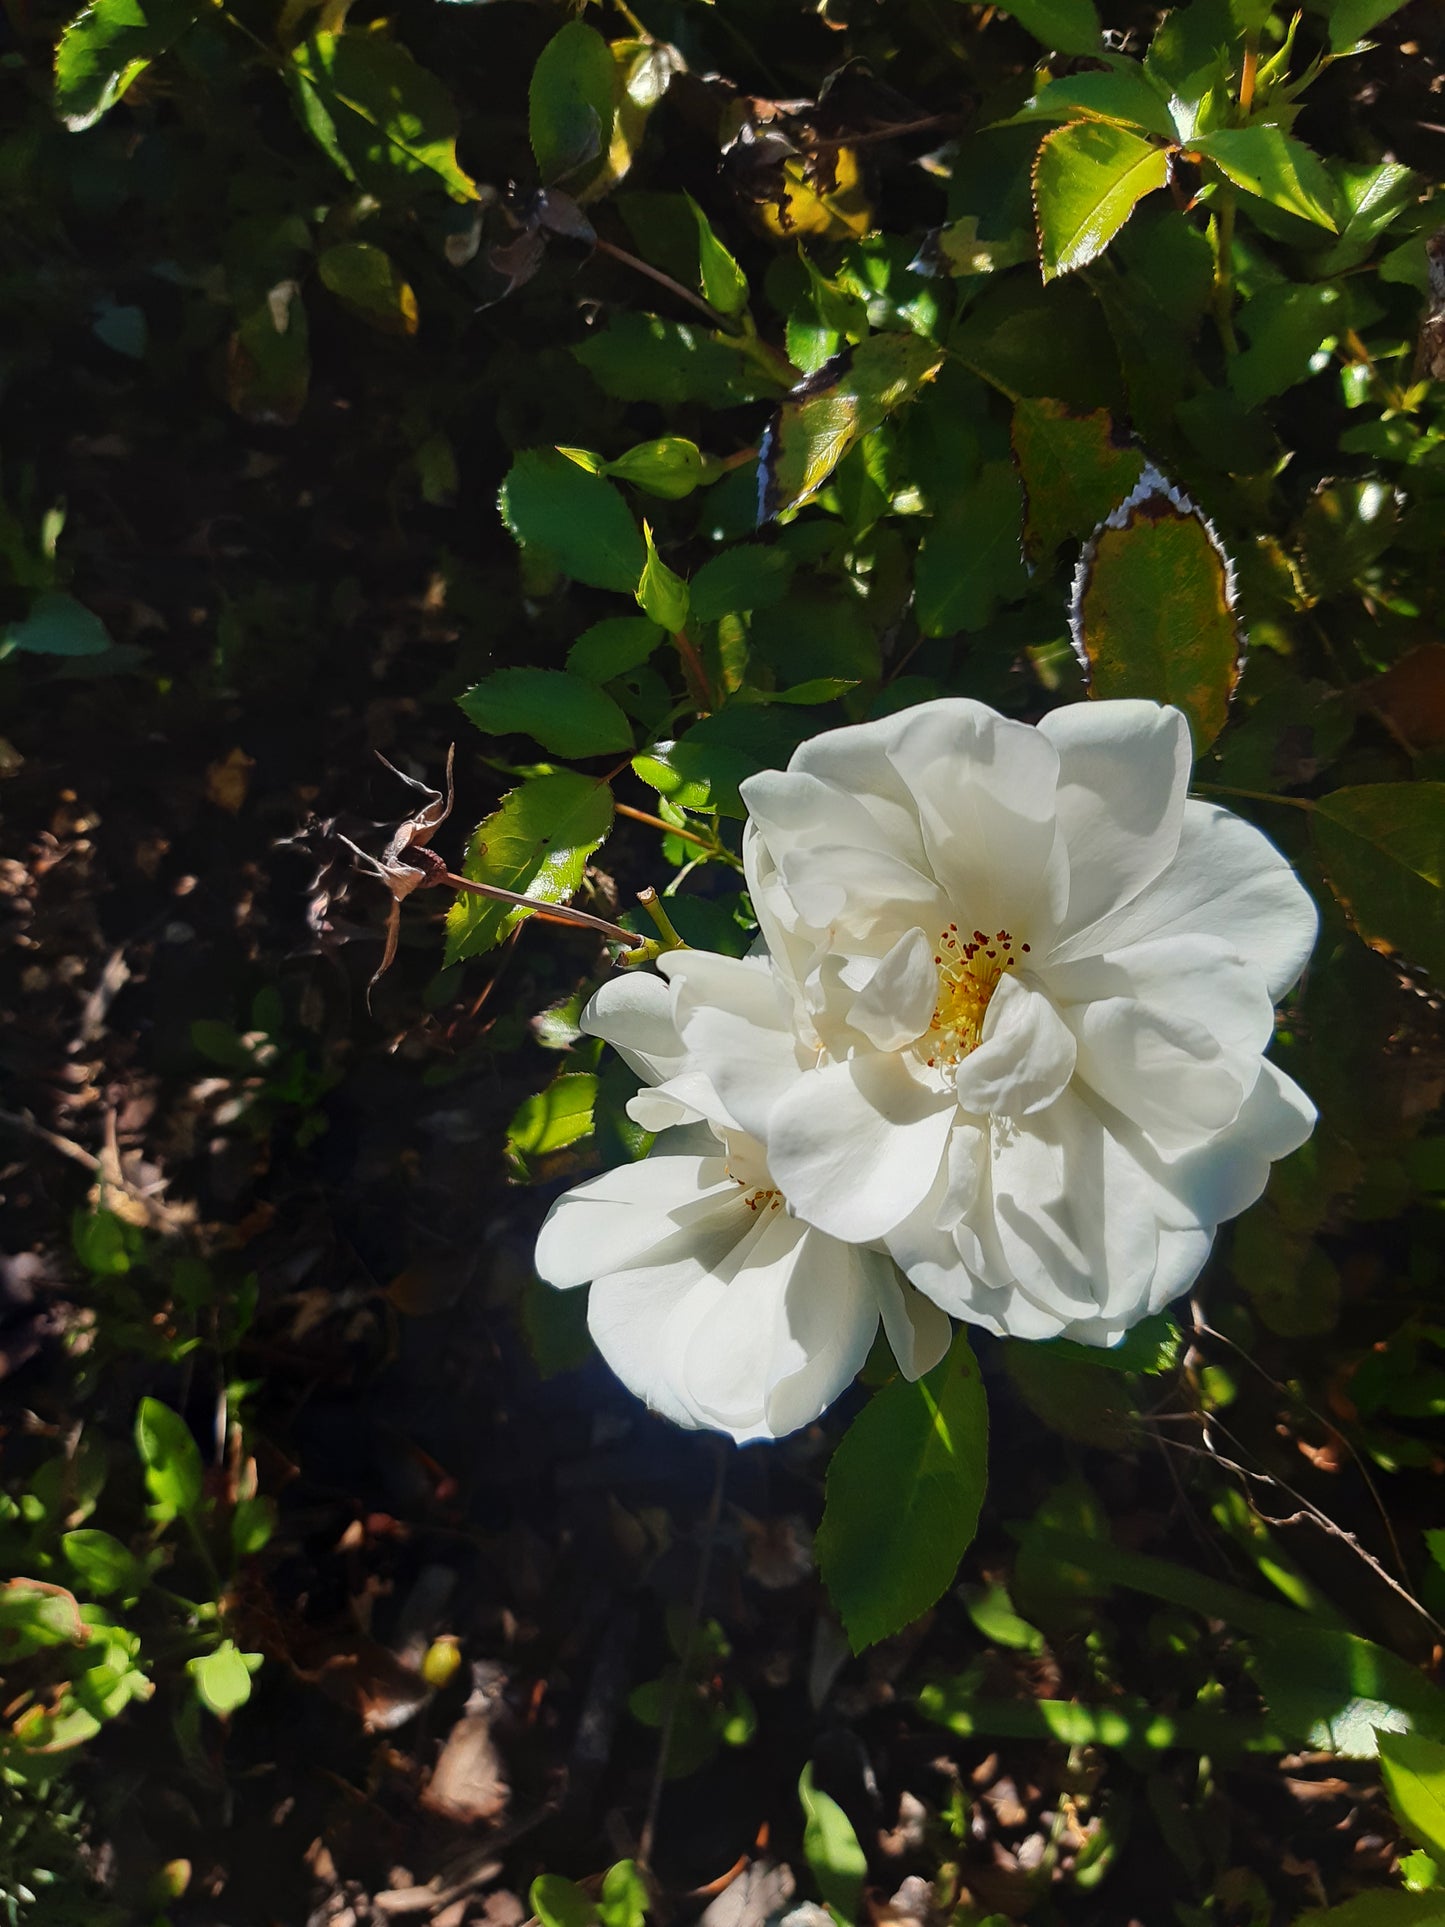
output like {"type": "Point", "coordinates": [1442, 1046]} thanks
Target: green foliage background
{"type": "Point", "coordinates": [660, 388]}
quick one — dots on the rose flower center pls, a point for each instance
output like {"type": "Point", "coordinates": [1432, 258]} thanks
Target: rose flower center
{"type": "Point", "coordinates": [970, 969]}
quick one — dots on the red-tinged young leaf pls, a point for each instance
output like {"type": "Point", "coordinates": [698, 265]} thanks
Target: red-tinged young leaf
{"type": "Point", "coordinates": [1382, 846]}
{"type": "Point", "coordinates": [903, 1496]}
{"type": "Point", "coordinates": [1075, 465]}
{"type": "Point", "coordinates": [1088, 178]}
{"type": "Point", "coordinates": [1153, 609]}
{"type": "Point", "coordinates": [1281, 170]}
{"type": "Point", "coordinates": [537, 843]}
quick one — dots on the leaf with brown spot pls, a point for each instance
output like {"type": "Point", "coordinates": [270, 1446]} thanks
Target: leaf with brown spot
{"type": "Point", "coordinates": [1075, 466]}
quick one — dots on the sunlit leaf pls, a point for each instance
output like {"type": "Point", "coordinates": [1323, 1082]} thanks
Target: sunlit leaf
{"type": "Point", "coordinates": [1088, 178]}
{"type": "Point", "coordinates": [536, 843]}
{"type": "Point", "coordinates": [1281, 170]}
{"type": "Point", "coordinates": [832, 1851]}
{"type": "Point", "coordinates": [223, 1678]}
{"type": "Point", "coordinates": [384, 119]}
{"type": "Point", "coordinates": [171, 1458]}
{"type": "Point", "coordinates": [370, 283]}
{"type": "Point", "coordinates": [1065, 26]}
{"type": "Point", "coordinates": [830, 411]}
{"type": "Point", "coordinates": [106, 46]}
{"type": "Point", "coordinates": [579, 521]}
{"type": "Point", "coordinates": [1413, 1770]}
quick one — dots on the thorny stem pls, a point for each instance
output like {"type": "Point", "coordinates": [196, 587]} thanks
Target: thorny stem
{"type": "Point", "coordinates": [699, 1592]}
{"type": "Point", "coordinates": [548, 912]}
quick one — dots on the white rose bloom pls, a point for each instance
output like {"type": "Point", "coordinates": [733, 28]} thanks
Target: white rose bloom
{"type": "Point", "coordinates": [709, 1300]}
{"type": "Point", "coordinates": [1031, 986]}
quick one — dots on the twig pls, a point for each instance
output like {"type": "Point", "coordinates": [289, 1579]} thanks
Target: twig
{"type": "Point", "coordinates": [664, 1744]}
{"type": "Point", "coordinates": [66, 1146]}
{"type": "Point", "coordinates": [660, 823]}
{"type": "Point", "coordinates": [548, 912]}
{"type": "Point", "coordinates": [719, 321]}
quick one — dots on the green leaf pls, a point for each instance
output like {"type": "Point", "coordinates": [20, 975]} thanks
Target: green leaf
{"type": "Point", "coordinates": [1435, 1545]}
{"type": "Point", "coordinates": [1064, 26]}
{"type": "Point", "coordinates": [1286, 326]}
{"type": "Point", "coordinates": [563, 713]}
{"type": "Point", "coordinates": [572, 105]}
{"type": "Point", "coordinates": [625, 1900]}
{"type": "Point", "coordinates": [723, 283]}
{"type": "Point", "coordinates": [1088, 178]}
{"type": "Point", "coordinates": [106, 46]}
{"type": "Point", "coordinates": [1153, 609]}
{"type": "Point", "coordinates": [1382, 846]}
{"type": "Point", "coordinates": [1413, 1770]}
{"type": "Point", "coordinates": [661, 594]}
{"type": "Point", "coordinates": [970, 559]}
{"type": "Point", "coordinates": [612, 647]}
{"type": "Point", "coordinates": [57, 625]}
{"type": "Point", "coordinates": [386, 122]}
{"type": "Point", "coordinates": [1338, 1692]}
{"type": "Point", "coordinates": [101, 1563]}
{"type": "Point", "coordinates": [1373, 196]}
{"type": "Point", "coordinates": [223, 1678]}
{"type": "Point", "coordinates": [831, 1849]}
{"type": "Point", "coordinates": [750, 576]}
{"type": "Point", "coordinates": [558, 1902]}
{"type": "Point", "coordinates": [171, 1459]}
{"type": "Point", "coordinates": [823, 418]}
{"type": "Point", "coordinates": [369, 282]}
{"type": "Point", "coordinates": [553, 1118]}
{"type": "Point", "coordinates": [1351, 20]}
{"type": "Point", "coordinates": [1076, 466]}
{"type": "Point", "coordinates": [252, 1524]}
{"type": "Point", "coordinates": [1153, 1346]}
{"type": "Point", "coordinates": [537, 843]}
{"type": "Point", "coordinates": [903, 1495]}
{"type": "Point", "coordinates": [579, 521]}
{"type": "Point", "coordinates": [640, 357]}
{"type": "Point", "coordinates": [1281, 170]}
{"type": "Point", "coordinates": [1120, 94]}
{"type": "Point", "coordinates": [669, 467]}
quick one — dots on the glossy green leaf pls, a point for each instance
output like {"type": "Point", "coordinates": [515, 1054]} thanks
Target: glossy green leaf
{"type": "Point", "coordinates": [553, 1118]}
{"type": "Point", "coordinates": [564, 713]}
{"type": "Point", "coordinates": [386, 121]}
{"type": "Point", "coordinates": [904, 1490]}
{"type": "Point", "coordinates": [56, 625]}
{"type": "Point", "coordinates": [572, 105]}
{"type": "Point", "coordinates": [369, 282]}
{"type": "Point", "coordinates": [1076, 466]}
{"type": "Point", "coordinates": [825, 416]}
{"type": "Point", "coordinates": [724, 285]}
{"type": "Point", "coordinates": [971, 559]}
{"type": "Point", "coordinates": [832, 1851]}
{"type": "Point", "coordinates": [1413, 1770]}
{"type": "Point", "coordinates": [223, 1678]}
{"type": "Point", "coordinates": [1089, 176]}
{"type": "Point", "coordinates": [1382, 846]}
{"type": "Point", "coordinates": [1064, 26]}
{"type": "Point", "coordinates": [612, 647]}
{"type": "Point", "coordinates": [1123, 95]}
{"type": "Point", "coordinates": [106, 46]}
{"type": "Point", "coordinates": [661, 593]}
{"type": "Point", "coordinates": [171, 1458]}
{"type": "Point", "coordinates": [536, 843]}
{"type": "Point", "coordinates": [1153, 609]}
{"type": "Point", "coordinates": [579, 521]}
{"type": "Point", "coordinates": [1281, 170]}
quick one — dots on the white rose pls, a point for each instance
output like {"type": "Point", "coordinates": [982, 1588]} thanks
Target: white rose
{"type": "Point", "coordinates": [1031, 985]}
{"type": "Point", "coordinates": [709, 1300]}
